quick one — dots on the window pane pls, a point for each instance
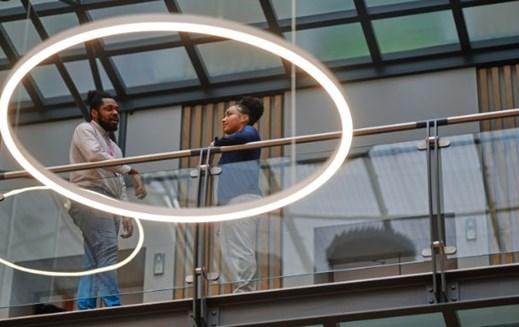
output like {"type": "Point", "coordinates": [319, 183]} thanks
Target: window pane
{"type": "Point", "coordinates": [82, 75]}
{"type": "Point", "coordinates": [2, 54]}
{"type": "Point", "coordinates": [49, 81]}
{"type": "Point", "coordinates": [334, 42]}
{"type": "Point", "coordinates": [140, 8]}
{"type": "Point", "coordinates": [494, 21]}
{"type": "Point", "coordinates": [244, 11]}
{"type": "Point", "coordinates": [23, 35]}
{"type": "Point", "coordinates": [20, 94]}
{"type": "Point", "coordinates": [423, 320]}
{"type": "Point", "coordinates": [58, 23]}
{"type": "Point", "coordinates": [283, 8]}
{"type": "Point", "coordinates": [415, 32]}
{"type": "Point", "coordinates": [155, 67]}
{"type": "Point", "coordinates": [492, 316]}
{"type": "Point", "coordinates": [373, 3]}
{"type": "Point", "coordinates": [229, 57]}
{"type": "Point", "coordinates": [10, 4]}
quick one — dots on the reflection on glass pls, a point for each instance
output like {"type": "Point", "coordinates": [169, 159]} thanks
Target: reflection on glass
{"type": "Point", "coordinates": [424, 320]}
{"type": "Point", "coordinates": [334, 42]}
{"type": "Point", "coordinates": [49, 81]}
{"type": "Point", "coordinates": [23, 35]}
{"type": "Point", "coordinates": [376, 204]}
{"type": "Point", "coordinates": [55, 243]}
{"type": "Point", "coordinates": [506, 315]}
{"type": "Point", "coordinates": [283, 8]}
{"type": "Point", "coordinates": [244, 11]}
{"type": "Point", "coordinates": [415, 32]}
{"type": "Point", "coordinates": [492, 21]}
{"type": "Point", "coordinates": [229, 57]}
{"type": "Point", "coordinates": [479, 176]}
{"type": "Point", "coordinates": [155, 67]}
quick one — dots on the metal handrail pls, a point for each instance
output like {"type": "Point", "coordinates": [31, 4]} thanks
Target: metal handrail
{"type": "Point", "coordinates": [270, 143]}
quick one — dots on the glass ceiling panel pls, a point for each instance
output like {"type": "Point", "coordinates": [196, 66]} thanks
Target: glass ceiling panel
{"type": "Point", "coordinates": [155, 67]}
{"type": "Point", "coordinates": [49, 81]}
{"type": "Point", "coordinates": [492, 21]}
{"type": "Point", "coordinates": [415, 32]}
{"type": "Point", "coordinates": [20, 93]}
{"type": "Point", "coordinates": [283, 8]}
{"type": "Point", "coordinates": [333, 42]}
{"type": "Point", "coordinates": [505, 315]}
{"type": "Point", "coordinates": [10, 4]}
{"type": "Point", "coordinates": [82, 76]}
{"type": "Point", "coordinates": [58, 23]}
{"type": "Point", "coordinates": [230, 57]}
{"type": "Point", "coordinates": [244, 11]}
{"type": "Point", "coordinates": [422, 320]}
{"type": "Point", "coordinates": [17, 3]}
{"type": "Point", "coordinates": [22, 34]}
{"type": "Point", "coordinates": [374, 3]}
{"type": "Point", "coordinates": [139, 8]}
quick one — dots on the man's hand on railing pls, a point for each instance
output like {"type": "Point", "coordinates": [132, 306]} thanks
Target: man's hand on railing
{"type": "Point", "coordinates": [127, 227]}
{"type": "Point", "coordinates": [138, 184]}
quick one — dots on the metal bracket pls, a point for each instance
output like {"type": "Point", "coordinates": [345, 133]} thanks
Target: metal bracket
{"type": "Point", "coordinates": [210, 276]}
{"type": "Point", "coordinates": [446, 250]}
{"type": "Point", "coordinates": [429, 293]}
{"type": "Point", "coordinates": [442, 143]}
{"type": "Point", "coordinates": [453, 292]}
{"type": "Point", "coordinates": [213, 171]}
{"type": "Point", "coordinates": [213, 318]}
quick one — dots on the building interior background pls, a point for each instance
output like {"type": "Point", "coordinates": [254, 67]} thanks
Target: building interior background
{"type": "Point", "coordinates": [397, 60]}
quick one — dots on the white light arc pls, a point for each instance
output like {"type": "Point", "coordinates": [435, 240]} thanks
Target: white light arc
{"type": "Point", "coordinates": [118, 265]}
{"type": "Point", "coordinates": [191, 24]}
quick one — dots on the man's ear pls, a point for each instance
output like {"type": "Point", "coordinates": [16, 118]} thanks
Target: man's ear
{"type": "Point", "coordinates": [93, 114]}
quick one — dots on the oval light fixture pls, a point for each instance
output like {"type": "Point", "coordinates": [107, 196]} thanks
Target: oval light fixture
{"type": "Point", "coordinates": [190, 24]}
{"type": "Point", "coordinates": [118, 265]}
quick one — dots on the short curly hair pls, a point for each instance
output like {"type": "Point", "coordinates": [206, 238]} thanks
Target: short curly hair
{"type": "Point", "coordinates": [251, 106]}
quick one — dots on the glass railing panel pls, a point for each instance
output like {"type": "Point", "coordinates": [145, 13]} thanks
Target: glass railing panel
{"type": "Point", "coordinates": [480, 181]}
{"type": "Point", "coordinates": [369, 221]}
{"type": "Point", "coordinates": [38, 231]}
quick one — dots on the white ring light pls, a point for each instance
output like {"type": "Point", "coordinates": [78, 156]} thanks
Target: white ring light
{"type": "Point", "coordinates": [190, 24]}
{"type": "Point", "coordinates": [118, 265]}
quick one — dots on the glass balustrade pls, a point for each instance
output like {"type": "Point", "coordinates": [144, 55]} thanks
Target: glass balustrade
{"type": "Point", "coordinates": [371, 220]}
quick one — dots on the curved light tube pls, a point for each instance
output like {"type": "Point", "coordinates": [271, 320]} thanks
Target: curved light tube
{"type": "Point", "coordinates": [190, 24]}
{"type": "Point", "coordinates": [118, 265]}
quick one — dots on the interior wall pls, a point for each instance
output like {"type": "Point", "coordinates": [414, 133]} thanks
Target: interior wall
{"type": "Point", "coordinates": [154, 131]}
{"type": "Point", "coordinates": [388, 101]}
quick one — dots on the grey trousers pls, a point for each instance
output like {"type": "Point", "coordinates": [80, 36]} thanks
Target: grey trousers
{"type": "Point", "coordinates": [238, 246]}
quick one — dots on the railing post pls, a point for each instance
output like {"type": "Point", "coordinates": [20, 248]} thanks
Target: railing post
{"type": "Point", "coordinates": [438, 248]}
{"type": "Point", "coordinates": [200, 275]}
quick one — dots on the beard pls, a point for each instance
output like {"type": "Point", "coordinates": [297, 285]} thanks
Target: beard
{"type": "Point", "coordinates": [108, 126]}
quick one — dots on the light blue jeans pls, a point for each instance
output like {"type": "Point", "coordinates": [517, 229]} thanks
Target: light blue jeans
{"type": "Point", "coordinates": [100, 232]}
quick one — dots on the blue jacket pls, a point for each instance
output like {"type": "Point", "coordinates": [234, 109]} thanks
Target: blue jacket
{"type": "Point", "coordinates": [240, 169]}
